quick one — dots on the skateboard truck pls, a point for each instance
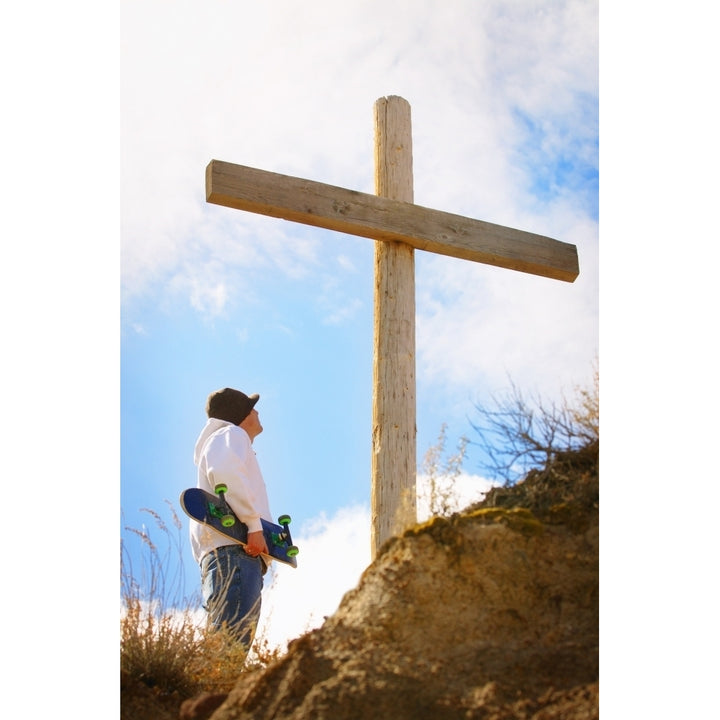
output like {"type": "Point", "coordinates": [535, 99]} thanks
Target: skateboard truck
{"type": "Point", "coordinates": [284, 538]}
{"type": "Point", "coordinates": [224, 513]}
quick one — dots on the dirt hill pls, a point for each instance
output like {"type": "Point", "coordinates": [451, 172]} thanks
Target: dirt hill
{"type": "Point", "coordinates": [492, 613]}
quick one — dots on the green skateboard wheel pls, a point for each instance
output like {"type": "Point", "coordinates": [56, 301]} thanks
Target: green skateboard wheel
{"type": "Point", "coordinates": [221, 488]}
{"type": "Point", "coordinates": [284, 520]}
{"type": "Point", "coordinates": [228, 521]}
{"type": "Point", "coordinates": [292, 551]}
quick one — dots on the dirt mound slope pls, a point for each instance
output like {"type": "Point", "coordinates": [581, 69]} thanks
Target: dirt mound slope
{"type": "Point", "coordinates": [491, 613]}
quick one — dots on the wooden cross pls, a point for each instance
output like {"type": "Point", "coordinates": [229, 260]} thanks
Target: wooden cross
{"type": "Point", "coordinates": [398, 227]}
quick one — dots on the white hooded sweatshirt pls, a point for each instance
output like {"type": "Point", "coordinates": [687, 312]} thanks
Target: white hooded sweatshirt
{"type": "Point", "coordinates": [224, 454]}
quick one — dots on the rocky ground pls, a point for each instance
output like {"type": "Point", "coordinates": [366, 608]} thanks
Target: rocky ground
{"type": "Point", "coordinates": [492, 614]}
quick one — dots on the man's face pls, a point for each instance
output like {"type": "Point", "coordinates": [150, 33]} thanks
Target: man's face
{"type": "Point", "coordinates": [251, 424]}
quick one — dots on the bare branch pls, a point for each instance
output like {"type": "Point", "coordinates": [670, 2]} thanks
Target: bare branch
{"type": "Point", "coordinates": [517, 435]}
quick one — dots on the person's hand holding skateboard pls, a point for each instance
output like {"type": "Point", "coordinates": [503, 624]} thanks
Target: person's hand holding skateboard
{"type": "Point", "coordinates": [256, 544]}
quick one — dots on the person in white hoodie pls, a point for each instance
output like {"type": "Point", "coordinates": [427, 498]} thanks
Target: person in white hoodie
{"type": "Point", "coordinates": [232, 576]}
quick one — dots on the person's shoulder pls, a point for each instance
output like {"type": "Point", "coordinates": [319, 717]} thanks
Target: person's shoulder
{"type": "Point", "coordinates": [237, 434]}
{"type": "Point", "coordinates": [229, 438]}
{"type": "Point", "coordinates": [228, 433]}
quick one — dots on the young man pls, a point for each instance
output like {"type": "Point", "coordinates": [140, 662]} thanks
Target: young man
{"type": "Point", "coordinates": [232, 576]}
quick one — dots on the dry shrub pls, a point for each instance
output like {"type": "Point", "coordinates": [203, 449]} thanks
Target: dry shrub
{"type": "Point", "coordinates": [158, 647]}
{"type": "Point", "coordinates": [518, 435]}
{"type": "Point", "coordinates": [442, 470]}
{"type": "Point", "coordinates": [164, 638]}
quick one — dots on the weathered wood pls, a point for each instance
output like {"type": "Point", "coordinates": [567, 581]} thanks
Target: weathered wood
{"type": "Point", "coordinates": [393, 464]}
{"type": "Point", "coordinates": [398, 227]}
{"type": "Point", "coordinates": [389, 219]}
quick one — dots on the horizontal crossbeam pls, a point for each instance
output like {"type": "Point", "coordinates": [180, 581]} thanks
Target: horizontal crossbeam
{"type": "Point", "coordinates": [379, 218]}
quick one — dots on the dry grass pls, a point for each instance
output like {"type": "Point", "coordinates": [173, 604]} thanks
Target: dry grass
{"type": "Point", "coordinates": [164, 638]}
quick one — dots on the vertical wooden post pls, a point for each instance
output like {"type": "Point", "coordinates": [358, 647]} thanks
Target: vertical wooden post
{"type": "Point", "coordinates": [393, 465]}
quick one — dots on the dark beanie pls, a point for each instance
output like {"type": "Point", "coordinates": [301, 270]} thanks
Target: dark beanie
{"type": "Point", "coordinates": [231, 405]}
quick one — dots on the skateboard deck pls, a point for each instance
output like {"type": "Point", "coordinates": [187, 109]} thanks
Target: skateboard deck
{"type": "Point", "coordinates": [214, 511]}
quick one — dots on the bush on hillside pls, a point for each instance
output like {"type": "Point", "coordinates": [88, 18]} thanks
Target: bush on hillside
{"type": "Point", "coordinates": [518, 435]}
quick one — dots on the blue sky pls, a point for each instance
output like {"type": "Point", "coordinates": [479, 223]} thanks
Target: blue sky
{"type": "Point", "coordinates": [504, 100]}
{"type": "Point", "coordinates": [115, 269]}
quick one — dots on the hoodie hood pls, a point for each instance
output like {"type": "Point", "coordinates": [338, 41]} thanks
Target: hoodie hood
{"type": "Point", "coordinates": [211, 427]}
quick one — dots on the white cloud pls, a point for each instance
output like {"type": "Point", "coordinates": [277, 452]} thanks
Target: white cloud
{"type": "Point", "coordinates": [334, 552]}
{"type": "Point", "coordinates": [342, 313]}
{"type": "Point", "coordinates": [477, 326]}
{"type": "Point", "coordinates": [295, 95]}
{"type": "Point", "coordinates": [209, 300]}
{"type": "Point", "coordinates": [454, 494]}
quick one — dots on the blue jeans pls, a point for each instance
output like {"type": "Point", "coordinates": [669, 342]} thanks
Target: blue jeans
{"type": "Point", "coordinates": [232, 583]}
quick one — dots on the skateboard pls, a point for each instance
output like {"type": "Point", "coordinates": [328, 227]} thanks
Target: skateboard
{"type": "Point", "coordinates": [214, 511]}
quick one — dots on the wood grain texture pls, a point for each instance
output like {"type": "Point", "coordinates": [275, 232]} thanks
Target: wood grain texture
{"type": "Point", "coordinates": [388, 219]}
{"type": "Point", "coordinates": [393, 462]}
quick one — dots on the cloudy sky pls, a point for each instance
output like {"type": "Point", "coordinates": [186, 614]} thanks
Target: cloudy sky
{"type": "Point", "coordinates": [136, 278]}
{"type": "Point", "coordinates": [504, 104]}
